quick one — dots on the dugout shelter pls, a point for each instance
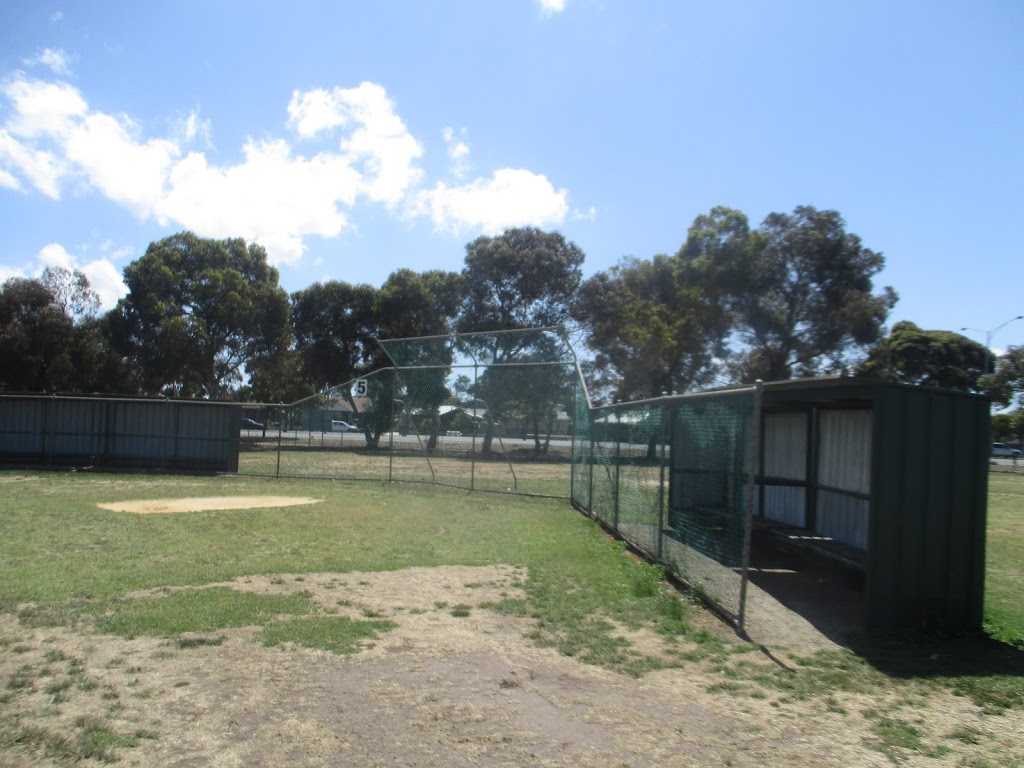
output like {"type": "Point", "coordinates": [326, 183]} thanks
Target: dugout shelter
{"type": "Point", "coordinates": [892, 479]}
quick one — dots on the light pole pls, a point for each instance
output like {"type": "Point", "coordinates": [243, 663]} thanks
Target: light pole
{"type": "Point", "coordinates": [988, 337]}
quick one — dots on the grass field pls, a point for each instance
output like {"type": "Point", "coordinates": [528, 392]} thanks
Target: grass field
{"type": "Point", "coordinates": [66, 563]}
{"type": "Point", "coordinates": [61, 553]}
{"type": "Point", "coordinates": [1004, 588]}
{"type": "Point", "coordinates": [517, 471]}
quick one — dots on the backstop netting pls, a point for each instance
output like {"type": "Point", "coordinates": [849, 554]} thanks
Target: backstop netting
{"type": "Point", "coordinates": [509, 412]}
{"type": "Point", "coordinates": [675, 477]}
{"type": "Point", "coordinates": [487, 411]}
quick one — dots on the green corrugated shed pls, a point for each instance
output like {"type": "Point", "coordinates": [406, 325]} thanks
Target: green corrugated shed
{"type": "Point", "coordinates": [925, 559]}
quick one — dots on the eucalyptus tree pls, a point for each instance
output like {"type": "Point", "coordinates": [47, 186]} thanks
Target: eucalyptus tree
{"type": "Point", "coordinates": [661, 323]}
{"type": "Point", "coordinates": [201, 314]}
{"type": "Point", "coordinates": [1006, 384]}
{"type": "Point", "coordinates": [912, 355]}
{"type": "Point", "coordinates": [521, 280]}
{"type": "Point", "coordinates": [420, 307]}
{"type": "Point", "coordinates": [36, 339]}
{"type": "Point", "coordinates": [334, 326]}
{"type": "Point", "coordinates": [802, 296]}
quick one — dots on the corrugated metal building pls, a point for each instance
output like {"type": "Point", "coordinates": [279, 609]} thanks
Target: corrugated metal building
{"type": "Point", "coordinates": [890, 478]}
{"type": "Point", "coordinates": [182, 435]}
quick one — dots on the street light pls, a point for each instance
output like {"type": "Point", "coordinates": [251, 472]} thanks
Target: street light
{"type": "Point", "coordinates": [988, 337]}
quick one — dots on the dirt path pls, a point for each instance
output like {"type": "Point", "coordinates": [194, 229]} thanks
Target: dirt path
{"type": "Point", "coordinates": [442, 688]}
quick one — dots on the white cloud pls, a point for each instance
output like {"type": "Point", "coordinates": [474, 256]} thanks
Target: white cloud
{"type": "Point", "coordinates": [193, 130]}
{"type": "Point", "coordinates": [104, 277]}
{"type": "Point", "coordinates": [380, 142]}
{"type": "Point", "coordinates": [55, 255]}
{"type": "Point", "coordinates": [275, 195]}
{"type": "Point", "coordinates": [550, 7]}
{"type": "Point", "coordinates": [8, 180]}
{"type": "Point", "coordinates": [271, 197]}
{"type": "Point", "coordinates": [43, 109]}
{"type": "Point", "coordinates": [106, 280]}
{"type": "Point", "coordinates": [511, 197]}
{"type": "Point", "coordinates": [56, 60]}
{"type": "Point", "coordinates": [588, 215]}
{"type": "Point", "coordinates": [56, 16]}
{"type": "Point", "coordinates": [458, 151]}
{"type": "Point", "coordinates": [317, 111]}
{"type": "Point", "coordinates": [121, 167]}
{"type": "Point", "coordinates": [40, 167]}
{"type": "Point", "coordinates": [6, 273]}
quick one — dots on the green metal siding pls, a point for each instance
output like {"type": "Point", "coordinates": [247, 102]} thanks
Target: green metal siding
{"type": "Point", "coordinates": [926, 558]}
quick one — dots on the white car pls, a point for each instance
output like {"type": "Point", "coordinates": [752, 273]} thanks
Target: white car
{"type": "Point", "coordinates": [343, 426]}
{"type": "Point", "coordinates": [1005, 451]}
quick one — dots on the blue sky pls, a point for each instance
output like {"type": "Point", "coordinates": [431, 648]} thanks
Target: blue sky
{"type": "Point", "coordinates": [353, 139]}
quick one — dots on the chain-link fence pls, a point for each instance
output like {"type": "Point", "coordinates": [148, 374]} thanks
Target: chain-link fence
{"type": "Point", "coordinates": [675, 478]}
{"type": "Point", "coordinates": [509, 412]}
{"type": "Point", "coordinates": [492, 412]}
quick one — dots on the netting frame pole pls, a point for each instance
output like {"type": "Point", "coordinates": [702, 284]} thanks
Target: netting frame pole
{"type": "Point", "coordinates": [590, 468]}
{"type": "Point", "coordinates": [472, 444]}
{"type": "Point", "coordinates": [575, 436]}
{"type": "Point", "coordinates": [661, 480]}
{"type": "Point", "coordinates": [391, 437]}
{"type": "Point", "coordinates": [752, 455]}
{"type": "Point", "coordinates": [280, 427]}
{"type": "Point", "coordinates": [618, 464]}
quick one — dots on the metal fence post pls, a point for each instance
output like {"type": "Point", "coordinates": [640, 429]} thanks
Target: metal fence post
{"type": "Point", "coordinates": [618, 462]}
{"type": "Point", "coordinates": [752, 454]}
{"type": "Point", "coordinates": [280, 427]}
{"type": "Point", "coordinates": [661, 478]}
{"type": "Point", "coordinates": [572, 443]}
{"type": "Point", "coordinates": [476, 422]}
{"type": "Point", "coordinates": [391, 437]}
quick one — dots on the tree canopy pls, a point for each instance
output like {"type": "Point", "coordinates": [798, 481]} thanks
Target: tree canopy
{"type": "Point", "coordinates": [1006, 384]}
{"type": "Point", "coordinates": [802, 296]}
{"type": "Point", "coordinates": [656, 329]}
{"type": "Point", "coordinates": [524, 278]}
{"type": "Point", "coordinates": [36, 339]}
{"type": "Point", "coordinates": [200, 314]}
{"type": "Point", "coordinates": [334, 328]}
{"type": "Point", "coordinates": [207, 318]}
{"type": "Point", "coordinates": [929, 358]}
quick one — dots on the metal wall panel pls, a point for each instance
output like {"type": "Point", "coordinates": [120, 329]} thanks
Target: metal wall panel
{"type": "Point", "coordinates": [785, 504]}
{"type": "Point", "coordinates": [77, 431]}
{"type": "Point", "coordinates": [843, 518]}
{"type": "Point", "coordinates": [23, 425]}
{"type": "Point", "coordinates": [927, 537]}
{"type": "Point", "coordinates": [844, 452]}
{"type": "Point", "coordinates": [785, 445]}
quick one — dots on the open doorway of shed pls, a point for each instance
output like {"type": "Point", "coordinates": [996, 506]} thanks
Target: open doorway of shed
{"type": "Point", "coordinates": [798, 594]}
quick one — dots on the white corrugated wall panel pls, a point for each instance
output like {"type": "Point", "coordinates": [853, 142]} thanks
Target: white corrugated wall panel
{"type": "Point", "coordinates": [843, 518]}
{"type": "Point", "coordinates": [785, 504]}
{"type": "Point", "coordinates": [844, 463]}
{"type": "Point", "coordinates": [785, 445]}
{"type": "Point", "coordinates": [844, 454]}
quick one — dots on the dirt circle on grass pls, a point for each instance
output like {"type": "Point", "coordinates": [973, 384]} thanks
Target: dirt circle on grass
{"type": "Point", "coordinates": [205, 503]}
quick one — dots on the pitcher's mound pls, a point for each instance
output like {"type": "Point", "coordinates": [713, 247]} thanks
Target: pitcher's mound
{"type": "Point", "coordinates": [200, 504]}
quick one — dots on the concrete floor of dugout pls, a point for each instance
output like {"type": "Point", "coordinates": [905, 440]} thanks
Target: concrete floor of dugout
{"type": "Point", "coordinates": [800, 597]}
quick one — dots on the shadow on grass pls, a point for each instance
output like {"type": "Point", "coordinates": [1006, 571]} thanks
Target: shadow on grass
{"type": "Point", "coordinates": [989, 671]}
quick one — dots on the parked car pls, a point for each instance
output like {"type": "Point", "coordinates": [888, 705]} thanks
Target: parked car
{"type": "Point", "coordinates": [1005, 451]}
{"type": "Point", "coordinates": [251, 424]}
{"type": "Point", "coordinates": [343, 426]}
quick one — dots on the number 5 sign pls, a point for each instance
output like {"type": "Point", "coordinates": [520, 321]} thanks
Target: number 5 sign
{"type": "Point", "coordinates": [360, 388]}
